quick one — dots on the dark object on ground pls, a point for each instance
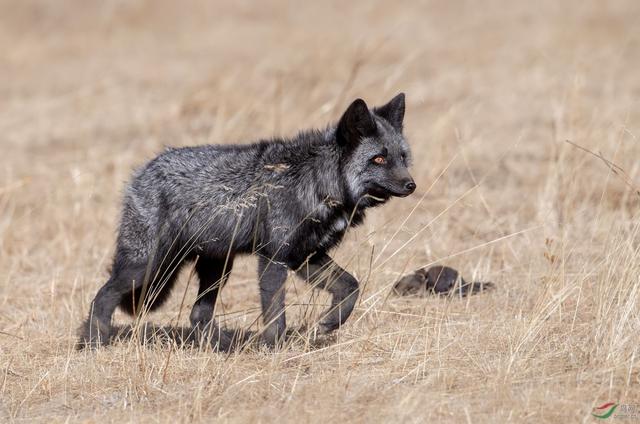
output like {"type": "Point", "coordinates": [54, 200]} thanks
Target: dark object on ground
{"type": "Point", "coordinates": [438, 280]}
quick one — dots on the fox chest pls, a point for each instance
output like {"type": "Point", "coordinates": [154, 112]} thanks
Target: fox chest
{"type": "Point", "coordinates": [329, 233]}
{"type": "Point", "coordinates": [314, 235]}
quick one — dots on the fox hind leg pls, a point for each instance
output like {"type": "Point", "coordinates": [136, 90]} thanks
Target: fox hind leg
{"type": "Point", "coordinates": [134, 286]}
{"type": "Point", "coordinates": [97, 329]}
{"type": "Point", "coordinates": [213, 273]}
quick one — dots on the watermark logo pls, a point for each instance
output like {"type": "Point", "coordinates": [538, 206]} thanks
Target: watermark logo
{"type": "Point", "coordinates": [604, 411]}
{"type": "Point", "coordinates": [624, 411]}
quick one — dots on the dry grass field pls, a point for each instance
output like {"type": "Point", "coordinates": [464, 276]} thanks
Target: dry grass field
{"type": "Point", "coordinates": [89, 90]}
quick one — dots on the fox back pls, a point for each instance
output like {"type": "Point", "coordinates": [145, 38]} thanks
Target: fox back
{"type": "Point", "coordinates": [281, 198]}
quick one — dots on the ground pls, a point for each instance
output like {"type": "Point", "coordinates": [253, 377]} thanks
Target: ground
{"type": "Point", "coordinates": [503, 98]}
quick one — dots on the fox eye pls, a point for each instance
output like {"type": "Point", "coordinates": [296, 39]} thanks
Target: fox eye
{"type": "Point", "coordinates": [379, 160]}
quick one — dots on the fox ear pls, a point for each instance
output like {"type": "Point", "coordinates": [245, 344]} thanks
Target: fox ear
{"type": "Point", "coordinates": [393, 111]}
{"type": "Point", "coordinates": [356, 122]}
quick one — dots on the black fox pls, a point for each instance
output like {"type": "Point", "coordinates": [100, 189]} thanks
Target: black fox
{"type": "Point", "coordinates": [286, 201]}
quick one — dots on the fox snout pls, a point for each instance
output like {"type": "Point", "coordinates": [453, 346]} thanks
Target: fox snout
{"type": "Point", "coordinates": [404, 184]}
{"type": "Point", "coordinates": [409, 186]}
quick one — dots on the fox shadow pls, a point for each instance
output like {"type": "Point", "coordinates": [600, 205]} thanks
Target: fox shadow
{"type": "Point", "coordinates": [224, 340]}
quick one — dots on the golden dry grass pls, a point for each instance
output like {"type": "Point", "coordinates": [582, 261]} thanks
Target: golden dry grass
{"type": "Point", "coordinates": [89, 90]}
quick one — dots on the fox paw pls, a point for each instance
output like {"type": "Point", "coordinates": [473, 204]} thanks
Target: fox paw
{"type": "Point", "coordinates": [93, 334]}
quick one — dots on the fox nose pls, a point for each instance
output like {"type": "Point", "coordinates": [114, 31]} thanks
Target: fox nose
{"type": "Point", "coordinates": [410, 186]}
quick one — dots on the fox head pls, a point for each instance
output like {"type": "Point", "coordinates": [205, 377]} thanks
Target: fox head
{"type": "Point", "coordinates": [375, 154]}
